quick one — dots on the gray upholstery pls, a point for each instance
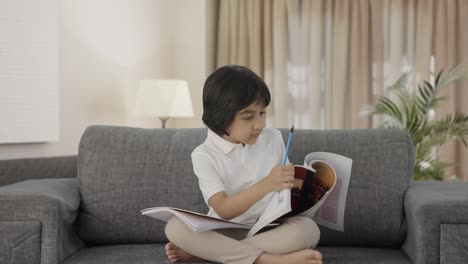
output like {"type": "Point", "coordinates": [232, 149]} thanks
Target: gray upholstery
{"type": "Point", "coordinates": [121, 170]}
{"type": "Point", "coordinates": [122, 254]}
{"type": "Point", "coordinates": [155, 254]}
{"type": "Point", "coordinates": [51, 202]}
{"type": "Point", "coordinates": [453, 243]}
{"type": "Point", "coordinates": [16, 170]}
{"type": "Point", "coordinates": [20, 241]}
{"type": "Point", "coordinates": [429, 206]}
{"type": "Point", "coordinates": [363, 255]}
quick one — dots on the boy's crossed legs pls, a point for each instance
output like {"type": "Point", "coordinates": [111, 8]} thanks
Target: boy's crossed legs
{"type": "Point", "coordinates": [288, 243]}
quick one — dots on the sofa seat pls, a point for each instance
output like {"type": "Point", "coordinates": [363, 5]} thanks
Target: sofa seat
{"type": "Point", "coordinates": [154, 253]}
{"type": "Point", "coordinates": [121, 254]}
{"type": "Point", "coordinates": [363, 255]}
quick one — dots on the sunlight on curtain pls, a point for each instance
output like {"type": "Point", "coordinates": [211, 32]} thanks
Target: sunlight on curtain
{"type": "Point", "coordinates": [324, 60]}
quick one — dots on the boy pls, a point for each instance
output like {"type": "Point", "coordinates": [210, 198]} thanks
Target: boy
{"type": "Point", "coordinates": [238, 169]}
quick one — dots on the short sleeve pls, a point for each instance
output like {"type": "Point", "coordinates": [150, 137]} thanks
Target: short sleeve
{"type": "Point", "coordinates": [209, 179]}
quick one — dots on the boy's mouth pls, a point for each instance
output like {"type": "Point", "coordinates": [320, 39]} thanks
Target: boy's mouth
{"type": "Point", "coordinates": [255, 135]}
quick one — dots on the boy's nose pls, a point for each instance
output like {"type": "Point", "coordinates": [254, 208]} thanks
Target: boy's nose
{"type": "Point", "coordinates": [259, 123]}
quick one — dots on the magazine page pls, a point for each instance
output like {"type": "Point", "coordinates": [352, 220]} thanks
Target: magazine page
{"type": "Point", "coordinates": [317, 183]}
{"type": "Point", "coordinates": [278, 205]}
{"type": "Point", "coordinates": [330, 212]}
{"type": "Point", "coordinates": [312, 185]}
{"type": "Point", "coordinates": [196, 221]}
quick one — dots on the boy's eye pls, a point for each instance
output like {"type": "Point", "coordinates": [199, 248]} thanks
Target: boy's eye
{"type": "Point", "coordinates": [248, 117]}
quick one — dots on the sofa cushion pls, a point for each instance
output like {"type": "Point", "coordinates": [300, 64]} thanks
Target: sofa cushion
{"type": "Point", "coordinates": [381, 172]}
{"type": "Point", "coordinates": [123, 254]}
{"type": "Point", "coordinates": [363, 255]}
{"type": "Point", "coordinates": [155, 254]}
{"type": "Point", "coordinates": [122, 170]}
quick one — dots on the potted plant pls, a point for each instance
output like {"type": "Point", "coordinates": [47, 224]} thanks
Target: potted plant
{"type": "Point", "coordinates": [412, 108]}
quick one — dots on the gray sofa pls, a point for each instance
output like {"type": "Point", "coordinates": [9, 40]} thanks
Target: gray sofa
{"type": "Point", "coordinates": [94, 217]}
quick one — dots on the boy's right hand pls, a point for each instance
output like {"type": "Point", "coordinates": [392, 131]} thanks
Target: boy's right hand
{"type": "Point", "coordinates": [280, 177]}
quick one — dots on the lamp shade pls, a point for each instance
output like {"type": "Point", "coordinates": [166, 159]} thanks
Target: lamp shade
{"type": "Point", "coordinates": [164, 98]}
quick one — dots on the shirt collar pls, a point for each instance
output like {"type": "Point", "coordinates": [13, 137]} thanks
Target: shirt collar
{"type": "Point", "coordinates": [220, 142]}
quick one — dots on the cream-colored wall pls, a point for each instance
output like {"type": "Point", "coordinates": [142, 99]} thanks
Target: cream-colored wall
{"type": "Point", "coordinates": [107, 46]}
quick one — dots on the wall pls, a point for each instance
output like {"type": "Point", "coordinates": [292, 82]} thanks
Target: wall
{"type": "Point", "coordinates": [107, 46]}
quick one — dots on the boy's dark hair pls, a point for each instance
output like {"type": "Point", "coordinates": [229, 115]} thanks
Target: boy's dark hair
{"type": "Point", "coordinates": [227, 91]}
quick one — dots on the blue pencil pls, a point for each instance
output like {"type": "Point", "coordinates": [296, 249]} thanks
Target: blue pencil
{"type": "Point", "coordinates": [288, 145]}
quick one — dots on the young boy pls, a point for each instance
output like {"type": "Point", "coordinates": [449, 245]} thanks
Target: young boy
{"type": "Point", "coordinates": [238, 168]}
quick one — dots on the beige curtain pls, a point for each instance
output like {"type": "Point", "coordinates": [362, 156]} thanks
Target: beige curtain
{"type": "Point", "coordinates": [254, 33]}
{"type": "Point", "coordinates": [450, 48]}
{"type": "Point", "coordinates": [324, 60]}
{"type": "Point", "coordinates": [300, 48]}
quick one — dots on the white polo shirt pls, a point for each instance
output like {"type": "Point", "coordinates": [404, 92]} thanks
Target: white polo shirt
{"type": "Point", "coordinates": [223, 166]}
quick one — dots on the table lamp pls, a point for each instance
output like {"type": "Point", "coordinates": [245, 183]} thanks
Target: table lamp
{"type": "Point", "coordinates": [164, 99]}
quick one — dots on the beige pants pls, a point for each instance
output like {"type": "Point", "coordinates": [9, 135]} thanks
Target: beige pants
{"type": "Point", "coordinates": [232, 246]}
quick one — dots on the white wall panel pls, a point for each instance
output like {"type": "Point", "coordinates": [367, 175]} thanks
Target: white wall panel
{"type": "Point", "coordinates": [29, 50]}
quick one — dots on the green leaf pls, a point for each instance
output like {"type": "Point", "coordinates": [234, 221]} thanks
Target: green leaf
{"type": "Point", "coordinates": [408, 110]}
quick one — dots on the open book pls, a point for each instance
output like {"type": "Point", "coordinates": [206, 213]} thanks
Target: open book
{"type": "Point", "coordinates": [196, 221]}
{"type": "Point", "coordinates": [319, 192]}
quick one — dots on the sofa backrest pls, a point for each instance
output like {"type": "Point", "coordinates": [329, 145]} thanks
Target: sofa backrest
{"type": "Point", "coordinates": [122, 170]}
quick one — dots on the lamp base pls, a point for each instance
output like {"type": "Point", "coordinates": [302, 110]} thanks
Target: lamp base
{"type": "Point", "coordinates": [163, 120]}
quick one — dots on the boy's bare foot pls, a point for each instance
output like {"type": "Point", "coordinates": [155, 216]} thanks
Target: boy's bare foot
{"type": "Point", "coordinates": [308, 256]}
{"type": "Point", "coordinates": [176, 254]}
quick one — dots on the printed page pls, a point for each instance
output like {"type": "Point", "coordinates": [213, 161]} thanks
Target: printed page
{"type": "Point", "coordinates": [330, 211]}
{"type": "Point", "coordinates": [278, 205]}
{"type": "Point", "coordinates": [196, 221]}
{"type": "Point", "coordinates": [318, 187]}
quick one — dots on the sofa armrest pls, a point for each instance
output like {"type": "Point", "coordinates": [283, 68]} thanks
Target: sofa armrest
{"type": "Point", "coordinates": [437, 218]}
{"type": "Point", "coordinates": [37, 221]}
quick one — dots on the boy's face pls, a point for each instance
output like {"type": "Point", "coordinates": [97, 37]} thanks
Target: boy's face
{"type": "Point", "coordinates": [247, 125]}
